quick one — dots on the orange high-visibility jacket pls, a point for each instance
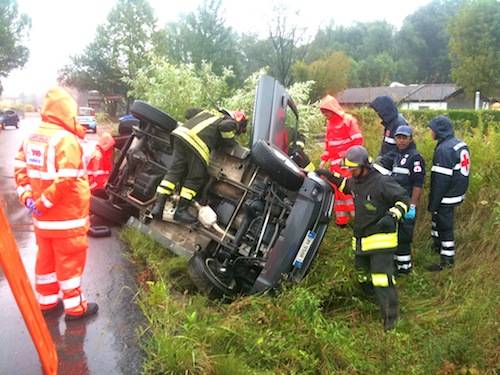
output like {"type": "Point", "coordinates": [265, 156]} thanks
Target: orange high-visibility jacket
{"type": "Point", "coordinates": [101, 162]}
{"type": "Point", "coordinates": [342, 132]}
{"type": "Point", "coordinates": [49, 168]}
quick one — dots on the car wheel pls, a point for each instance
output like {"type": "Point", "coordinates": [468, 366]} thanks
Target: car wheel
{"type": "Point", "coordinates": [148, 113]}
{"type": "Point", "coordinates": [203, 272]}
{"type": "Point", "coordinates": [277, 165]}
{"type": "Point", "coordinates": [108, 211]}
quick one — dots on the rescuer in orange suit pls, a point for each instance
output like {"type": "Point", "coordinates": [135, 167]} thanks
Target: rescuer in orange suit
{"type": "Point", "coordinates": [101, 162]}
{"type": "Point", "coordinates": [342, 132]}
{"type": "Point", "coordinates": [52, 183]}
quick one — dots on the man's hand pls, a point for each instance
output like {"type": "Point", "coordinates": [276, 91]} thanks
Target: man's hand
{"type": "Point", "coordinates": [334, 178]}
{"type": "Point", "coordinates": [31, 206]}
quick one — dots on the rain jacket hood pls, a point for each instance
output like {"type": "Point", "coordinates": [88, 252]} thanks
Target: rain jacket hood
{"type": "Point", "coordinates": [61, 109]}
{"type": "Point", "coordinates": [385, 107]}
{"type": "Point", "coordinates": [442, 127]}
{"type": "Point", "coordinates": [331, 104]}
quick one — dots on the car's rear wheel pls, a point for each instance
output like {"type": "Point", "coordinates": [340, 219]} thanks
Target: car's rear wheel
{"type": "Point", "coordinates": [108, 211]}
{"type": "Point", "coordinates": [277, 165]}
{"type": "Point", "coordinates": [148, 113]}
{"type": "Point", "coordinates": [205, 272]}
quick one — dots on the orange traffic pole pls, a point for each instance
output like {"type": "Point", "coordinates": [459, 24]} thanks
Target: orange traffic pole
{"type": "Point", "coordinates": [13, 267]}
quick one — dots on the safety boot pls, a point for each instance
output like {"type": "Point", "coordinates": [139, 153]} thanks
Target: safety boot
{"type": "Point", "coordinates": [157, 211]}
{"type": "Point", "coordinates": [182, 214]}
{"type": "Point", "coordinates": [92, 309]}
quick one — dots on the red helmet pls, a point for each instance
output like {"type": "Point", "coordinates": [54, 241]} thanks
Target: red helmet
{"type": "Point", "coordinates": [241, 118]}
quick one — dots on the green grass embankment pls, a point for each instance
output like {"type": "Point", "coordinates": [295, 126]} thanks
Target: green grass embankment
{"type": "Point", "coordinates": [448, 321]}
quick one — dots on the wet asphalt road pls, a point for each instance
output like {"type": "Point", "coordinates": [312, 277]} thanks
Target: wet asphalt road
{"type": "Point", "coordinates": [105, 344]}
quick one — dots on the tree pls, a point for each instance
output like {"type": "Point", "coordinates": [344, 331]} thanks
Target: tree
{"type": "Point", "coordinates": [376, 70]}
{"type": "Point", "coordinates": [330, 74]}
{"type": "Point", "coordinates": [475, 47]}
{"type": "Point", "coordinates": [14, 29]}
{"type": "Point", "coordinates": [202, 36]}
{"type": "Point", "coordinates": [121, 48]}
{"type": "Point", "coordinates": [423, 43]}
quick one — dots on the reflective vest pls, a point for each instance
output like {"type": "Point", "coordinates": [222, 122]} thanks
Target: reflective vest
{"type": "Point", "coordinates": [49, 168]}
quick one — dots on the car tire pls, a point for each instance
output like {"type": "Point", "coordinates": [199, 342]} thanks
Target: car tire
{"type": "Point", "coordinates": [203, 277]}
{"type": "Point", "coordinates": [277, 165]}
{"type": "Point", "coordinates": [108, 211]}
{"type": "Point", "coordinates": [156, 117]}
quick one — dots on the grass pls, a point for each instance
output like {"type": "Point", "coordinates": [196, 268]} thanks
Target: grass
{"type": "Point", "coordinates": [323, 325]}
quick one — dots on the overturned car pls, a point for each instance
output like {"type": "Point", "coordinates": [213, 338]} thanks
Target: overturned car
{"type": "Point", "coordinates": [261, 217]}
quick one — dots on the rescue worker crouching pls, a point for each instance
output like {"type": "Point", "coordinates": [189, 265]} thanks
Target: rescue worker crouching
{"type": "Point", "coordinates": [296, 150]}
{"type": "Point", "coordinates": [380, 203]}
{"type": "Point", "coordinates": [407, 167]}
{"type": "Point", "coordinates": [449, 182]}
{"type": "Point", "coordinates": [202, 133]}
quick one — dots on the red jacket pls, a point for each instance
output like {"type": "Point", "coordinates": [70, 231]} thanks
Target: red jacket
{"type": "Point", "coordinates": [101, 162]}
{"type": "Point", "coordinates": [49, 168]}
{"type": "Point", "coordinates": [342, 132]}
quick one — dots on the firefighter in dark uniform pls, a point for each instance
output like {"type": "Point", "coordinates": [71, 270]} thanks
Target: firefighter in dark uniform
{"type": "Point", "coordinates": [449, 182]}
{"type": "Point", "coordinates": [408, 168]}
{"type": "Point", "coordinates": [202, 133]}
{"type": "Point", "coordinates": [391, 119]}
{"type": "Point", "coordinates": [296, 146]}
{"type": "Point", "coordinates": [380, 203]}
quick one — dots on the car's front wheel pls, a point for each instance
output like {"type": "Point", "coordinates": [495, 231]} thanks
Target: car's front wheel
{"type": "Point", "coordinates": [277, 165]}
{"type": "Point", "coordinates": [210, 277]}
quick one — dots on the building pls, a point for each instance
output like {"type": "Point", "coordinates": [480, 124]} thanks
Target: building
{"type": "Point", "coordinates": [425, 96]}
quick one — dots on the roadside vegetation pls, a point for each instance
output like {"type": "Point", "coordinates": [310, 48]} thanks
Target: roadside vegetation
{"type": "Point", "coordinates": [448, 321]}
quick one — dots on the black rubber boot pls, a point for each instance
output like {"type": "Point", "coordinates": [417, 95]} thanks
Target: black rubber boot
{"type": "Point", "coordinates": [92, 309]}
{"type": "Point", "coordinates": [182, 214]}
{"type": "Point", "coordinates": [157, 211]}
{"type": "Point", "coordinates": [388, 301]}
{"type": "Point", "coordinates": [437, 267]}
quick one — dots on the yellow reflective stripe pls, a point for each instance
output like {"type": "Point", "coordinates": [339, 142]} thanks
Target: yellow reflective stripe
{"type": "Point", "coordinates": [402, 205]}
{"type": "Point", "coordinates": [342, 185]}
{"type": "Point", "coordinates": [396, 212]}
{"type": "Point", "coordinates": [380, 279]}
{"type": "Point", "coordinates": [195, 141]}
{"type": "Point", "coordinates": [351, 164]}
{"type": "Point", "coordinates": [377, 241]}
{"type": "Point", "coordinates": [202, 125]}
{"type": "Point", "coordinates": [310, 167]}
{"type": "Point", "coordinates": [167, 184]}
{"type": "Point", "coordinates": [163, 191]}
{"type": "Point", "coordinates": [187, 193]}
{"type": "Point", "coordinates": [228, 135]}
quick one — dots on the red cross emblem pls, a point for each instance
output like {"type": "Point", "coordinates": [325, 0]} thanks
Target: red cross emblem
{"type": "Point", "coordinates": [464, 162]}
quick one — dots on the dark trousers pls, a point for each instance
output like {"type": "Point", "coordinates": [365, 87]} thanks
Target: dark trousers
{"type": "Point", "coordinates": [187, 168]}
{"type": "Point", "coordinates": [405, 238]}
{"type": "Point", "coordinates": [379, 269]}
{"type": "Point", "coordinates": [442, 233]}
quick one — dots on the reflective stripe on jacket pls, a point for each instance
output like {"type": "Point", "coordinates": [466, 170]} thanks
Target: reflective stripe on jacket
{"type": "Point", "coordinates": [205, 132]}
{"type": "Point", "coordinates": [49, 168]}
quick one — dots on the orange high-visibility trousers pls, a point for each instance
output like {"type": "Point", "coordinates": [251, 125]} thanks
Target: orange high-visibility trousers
{"type": "Point", "coordinates": [344, 204]}
{"type": "Point", "coordinates": [13, 267]}
{"type": "Point", "coordinates": [59, 266]}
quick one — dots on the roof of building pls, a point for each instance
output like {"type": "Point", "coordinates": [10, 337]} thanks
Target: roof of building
{"type": "Point", "coordinates": [413, 93]}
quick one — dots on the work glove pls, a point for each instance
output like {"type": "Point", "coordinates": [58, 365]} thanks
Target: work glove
{"type": "Point", "coordinates": [387, 223]}
{"type": "Point", "coordinates": [335, 177]}
{"type": "Point", "coordinates": [31, 206]}
{"type": "Point", "coordinates": [410, 215]}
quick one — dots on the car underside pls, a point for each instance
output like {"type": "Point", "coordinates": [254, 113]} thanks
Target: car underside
{"type": "Point", "coordinates": [261, 218]}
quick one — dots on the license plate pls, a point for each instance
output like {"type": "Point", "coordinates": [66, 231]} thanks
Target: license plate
{"type": "Point", "coordinates": [304, 249]}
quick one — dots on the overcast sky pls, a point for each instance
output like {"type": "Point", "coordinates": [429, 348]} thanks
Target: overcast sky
{"type": "Point", "coordinates": [62, 28]}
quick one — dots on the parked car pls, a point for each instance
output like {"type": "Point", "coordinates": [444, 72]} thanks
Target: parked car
{"type": "Point", "coordinates": [261, 217]}
{"type": "Point", "coordinates": [9, 118]}
{"type": "Point", "coordinates": [86, 118]}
